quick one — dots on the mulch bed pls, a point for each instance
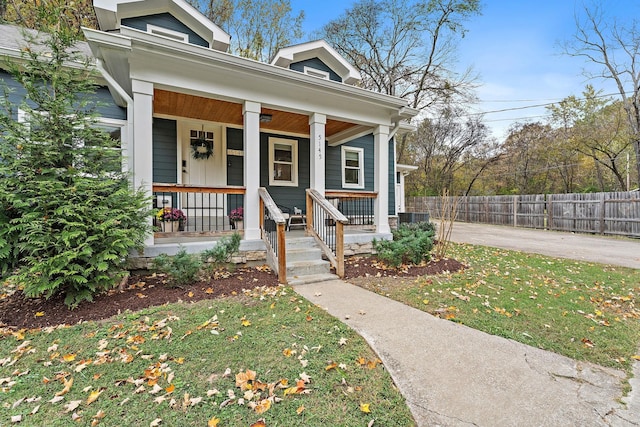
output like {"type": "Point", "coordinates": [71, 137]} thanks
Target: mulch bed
{"type": "Point", "coordinates": [145, 291]}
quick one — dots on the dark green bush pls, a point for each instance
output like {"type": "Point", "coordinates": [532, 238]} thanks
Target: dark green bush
{"type": "Point", "coordinates": [412, 243]}
{"type": "Point", "coordinates": [182, 268]}
{"type": "Point", "coordinates": [222, 252]}
{"type": "Point", "coordinates": [69, 217]}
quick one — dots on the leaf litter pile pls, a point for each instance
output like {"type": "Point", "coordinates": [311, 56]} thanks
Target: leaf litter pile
{"type": "Point", "coordinates": [146, 291]}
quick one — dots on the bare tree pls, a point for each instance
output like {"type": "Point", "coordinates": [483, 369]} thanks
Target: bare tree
{"type": "Point", "coordinates": [258, 28]}
{"type": "Point", "coordinates": [442, 146]}
{"type": "Point", "coordinates": [615, 49]}
{"type": "Point", "coordinates": [406, 48]}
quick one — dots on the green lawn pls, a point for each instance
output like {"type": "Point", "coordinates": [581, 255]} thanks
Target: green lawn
{"type": "Point", "coordinates": [582, 310]}
{"type": "Point", "coordinates": [230, 362]}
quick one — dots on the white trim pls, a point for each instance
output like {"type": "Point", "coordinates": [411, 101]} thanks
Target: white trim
{"type": "Point", "coordinates": [310, 71]}
{"type": "Point", "coordinates": [322, 50]}
{"type": "Point", "coordinates": [293, 143]}
{"type": "Point", "coordinates": [360, 152]}
{"type": "Point", "coordinates": [165, 32]}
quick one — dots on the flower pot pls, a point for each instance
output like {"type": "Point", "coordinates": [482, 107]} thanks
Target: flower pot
{"type": "Point", "coordinates": [238, 225]}
{"type": "Point", "coordinates": [170, 226]}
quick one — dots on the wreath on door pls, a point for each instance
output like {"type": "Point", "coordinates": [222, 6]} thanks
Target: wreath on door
{"type": "Point", "coordinates": [201, 148]}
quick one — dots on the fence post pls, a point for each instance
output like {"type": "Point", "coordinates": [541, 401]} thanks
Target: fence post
{"type": "Point", "coordinates": [602, 210]}
{"type": "Point", "coordinates": [515, 211]}
{"type": "Point", "coordinates": [549, 204]}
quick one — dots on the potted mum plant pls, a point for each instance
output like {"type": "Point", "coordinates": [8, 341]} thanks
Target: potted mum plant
{"type": "Point", "coordinates": [170, 219]}
{"type": "Point", "coordinates": [236, 217]}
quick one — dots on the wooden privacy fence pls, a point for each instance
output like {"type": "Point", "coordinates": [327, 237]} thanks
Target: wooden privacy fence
{"type": "Point", "coordinates": [601, 213]}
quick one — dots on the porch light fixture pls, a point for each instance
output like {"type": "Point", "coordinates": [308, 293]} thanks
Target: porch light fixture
{"type": "Point", "coordinates": [265, 118]}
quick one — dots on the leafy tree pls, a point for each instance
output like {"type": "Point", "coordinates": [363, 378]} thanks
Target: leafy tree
{"type": "Point", "coordinates": [614, 49]}
{"type": "Point", "coordinates": [599, 131]}
{"type": "Point", "coordinates": [528, 166]}
{"type": "Point", "coordinates": [34, 14]}
{"type": "Point", "coordinates": [69, 216]}
{"type": "Point", "coordinates": [258, 28]}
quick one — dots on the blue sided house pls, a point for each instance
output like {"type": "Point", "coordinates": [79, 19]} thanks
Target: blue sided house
{"type": "Point", "coordinates": [274, 150]}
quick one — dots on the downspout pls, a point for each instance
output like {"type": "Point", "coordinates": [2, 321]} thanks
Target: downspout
{"type": "Point", "coordinates": [128, 157]}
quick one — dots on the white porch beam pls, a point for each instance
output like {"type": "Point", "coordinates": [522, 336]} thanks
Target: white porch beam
{"type": "Point", "coordinates": [381, 178]}
{"type": "Point", "coordinates": [317, 153]}
{"type": "Point", "coordinates": [348, 134]}
{"type": "Point", "coordinates": [143, 142]}
{"type": "Point", "coordinates": [251, 113]}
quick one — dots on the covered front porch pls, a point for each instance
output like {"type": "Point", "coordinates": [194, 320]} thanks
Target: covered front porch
{"type": "Point", "coordinates": [239, 145]}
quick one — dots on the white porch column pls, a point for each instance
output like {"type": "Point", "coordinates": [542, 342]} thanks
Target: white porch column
{"type": "Point", "coordinates": [381, 178]}
{"type": "Point", "coordinates": [251, 112]}
{"type": "Point", "coordinates": [317, 123]}
{"type": "Point", "coordinates": [143, 141]}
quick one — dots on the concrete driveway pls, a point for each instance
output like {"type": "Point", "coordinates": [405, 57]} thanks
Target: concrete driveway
{"type": "Point", "coordinates": [583, 247]}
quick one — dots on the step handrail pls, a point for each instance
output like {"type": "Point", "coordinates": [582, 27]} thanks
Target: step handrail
{"type": "Point", "coordinates": [274, 240]}
{"type": "Point", "coordinates": [326, 224]}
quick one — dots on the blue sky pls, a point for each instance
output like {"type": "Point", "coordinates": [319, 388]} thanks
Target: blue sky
{"type": "Point", "coordinates": [513, 46]}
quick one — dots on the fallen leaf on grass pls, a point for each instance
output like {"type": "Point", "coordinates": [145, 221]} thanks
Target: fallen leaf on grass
{"type": "Point", "coordinates": [587, 342]}
{"type": "Point", "coordinates": [300, 410]}
{"type": "Point", "coordinates": [331, 366]}
{"type": "Point", "coordinates": [364, 407]}
{"type": "Point", "coordinates": [636, 356]}
{"type": "Point", "coordinates": [213, 422]}
{"type": "Point", "coordinates": [94, 395]}
{"type": "Point", "coordinates": [67, 386]}
{"type": "Point", "coordinates": [259, 423]}
{"type": "Point", "coordinates": [155, 423]}
{"type": "Point", "coordinates": [56, 399]}
{"type": "Point", "coordinates": [263, 406]}
{"type": "Point", "coordinates": [72, 406]}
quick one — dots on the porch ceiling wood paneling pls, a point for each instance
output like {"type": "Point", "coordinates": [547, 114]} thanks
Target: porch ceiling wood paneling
{"type": "Point", "coordinates": [215, 110]}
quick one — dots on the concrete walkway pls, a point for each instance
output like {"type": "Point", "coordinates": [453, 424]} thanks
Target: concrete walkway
{"type": "Point", "coordinates": [452, 375]}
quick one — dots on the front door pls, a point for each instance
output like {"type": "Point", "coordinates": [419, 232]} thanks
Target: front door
{"type": "Point", "coordinates": [203, 164]}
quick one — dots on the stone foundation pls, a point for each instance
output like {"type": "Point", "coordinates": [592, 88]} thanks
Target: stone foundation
{"type": "Point", "coordinates": [251, 252]}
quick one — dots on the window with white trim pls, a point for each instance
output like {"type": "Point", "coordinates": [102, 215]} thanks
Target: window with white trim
{"type": "Point", "coordinates": [283, 162]}
{"type": "Point", "coordinates": [352, 167]}
{"type": "Point", "coordinates": [316, 73]}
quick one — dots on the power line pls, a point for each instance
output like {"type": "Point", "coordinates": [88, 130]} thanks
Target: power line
{"type": "Point", "coordinates": [534, 105]}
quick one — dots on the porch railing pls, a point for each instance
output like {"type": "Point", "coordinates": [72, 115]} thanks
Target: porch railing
{"type": "Point", "coordinates": [207, 209]}
{"type": "Point", "coordinates": [272, 226]}
{"type": "Point", "coordinates": [357, 206]}
{"type": "Point", "coordinates": [326, 224]}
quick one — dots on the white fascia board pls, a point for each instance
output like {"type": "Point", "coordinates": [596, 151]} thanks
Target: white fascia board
{"type": "Point", "coordinates": [191, 56]}
{"type": "Point", "coordinates": [100, 39]}
{"type": "Point", "coordinates": [111, 12]}
{"type": "Point", "coordinates": [322, 50]}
